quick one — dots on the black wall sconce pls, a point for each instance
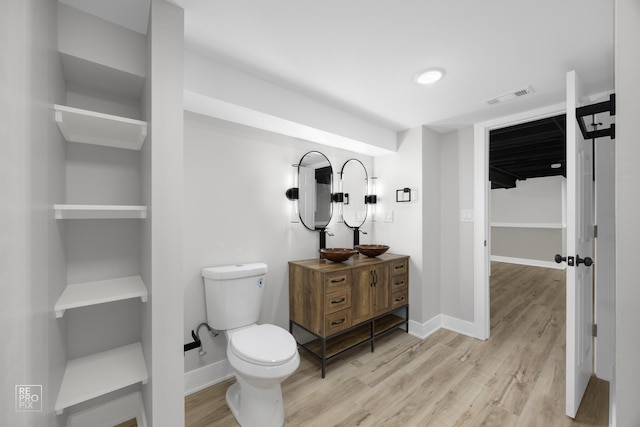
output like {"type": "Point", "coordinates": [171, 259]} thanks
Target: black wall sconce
{"type": "Point", "coordinates": [403, 195]}
{"type": "Point", "coordinates": [371, 199]}
{"type": "Point", "coordinates": [337, 197]}
{"type": "Point", "coordinates": [293, 193]}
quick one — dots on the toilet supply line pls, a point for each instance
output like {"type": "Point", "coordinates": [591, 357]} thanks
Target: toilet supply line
{"type": "Point", "coordinates": [197, 343]}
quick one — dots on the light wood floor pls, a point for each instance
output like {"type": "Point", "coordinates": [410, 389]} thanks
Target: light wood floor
{"type": "Point", "coordinates": [516, 378]}
{"type": "Point", "coordinates": [130, 423]}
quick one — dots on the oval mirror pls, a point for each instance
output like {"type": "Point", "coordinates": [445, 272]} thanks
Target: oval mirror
{"type": "Point", "coordinates": [354, 189]}
{"type": "Point", "coordinates": [315, 186]}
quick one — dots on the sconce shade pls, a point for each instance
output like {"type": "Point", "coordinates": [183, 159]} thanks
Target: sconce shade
{"type": "Point", "coordinates": [292, 193]}
{"type": "Point", "coordinates": [371, 199]}
{"type": "Point", "coordinates": [337, 197]}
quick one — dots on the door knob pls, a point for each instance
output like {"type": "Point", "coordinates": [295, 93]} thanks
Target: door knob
{"type": "Point", "coordinates": [559, 258]}
{"type": "Point", "coordinates": [587, 261]}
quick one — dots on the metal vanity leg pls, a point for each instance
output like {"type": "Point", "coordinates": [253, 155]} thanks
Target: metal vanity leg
{"type": "Point", "coordinates": [406, 316]}
{"type": "Point", "coordinates": [324, 356]}
{"type": "Point", "coordinates": [371, 336]}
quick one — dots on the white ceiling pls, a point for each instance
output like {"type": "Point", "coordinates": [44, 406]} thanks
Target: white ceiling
{"type": "Point", "coordinates": [361, 55]}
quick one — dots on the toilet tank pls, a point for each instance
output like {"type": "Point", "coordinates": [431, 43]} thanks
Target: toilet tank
{"type": "Point", "coordinates": [233, 294]}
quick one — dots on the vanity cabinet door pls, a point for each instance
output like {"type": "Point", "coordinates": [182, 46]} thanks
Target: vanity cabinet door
{"type": "Point", "coordinates": [381, 295]}
{"type": "Point", "coordinates": [371, 292]}
{"type": "Point", "coordinates": [361, 294]}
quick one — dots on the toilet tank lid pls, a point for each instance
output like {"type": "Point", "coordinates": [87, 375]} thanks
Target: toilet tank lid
{"type": "Point", "coordinates": [236, 271]}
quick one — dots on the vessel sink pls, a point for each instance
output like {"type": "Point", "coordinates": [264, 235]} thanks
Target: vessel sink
{"type": "Point", "coordinates": [372, 250]}
{"type": "Point", "coordinates": [337, 254]}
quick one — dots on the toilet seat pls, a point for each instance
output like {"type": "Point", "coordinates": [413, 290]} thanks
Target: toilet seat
{"type": "Point", "coordinates": [265, 345]}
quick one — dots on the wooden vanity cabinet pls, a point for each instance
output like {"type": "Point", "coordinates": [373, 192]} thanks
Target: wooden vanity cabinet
{"type": "Point", "coordinates": [344, 305]}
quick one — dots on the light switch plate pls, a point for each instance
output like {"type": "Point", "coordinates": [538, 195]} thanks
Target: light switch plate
{"type": "Point", "coordinates": [467, 215]}
{"type": "Point", "coordinates": [388, 216]}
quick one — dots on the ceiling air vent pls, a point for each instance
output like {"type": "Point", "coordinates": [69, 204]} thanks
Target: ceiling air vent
{"type": "Point", "coordinates": [510, 95]}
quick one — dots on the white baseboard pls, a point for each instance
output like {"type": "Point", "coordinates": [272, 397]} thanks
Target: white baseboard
{"type": "Point", "coordinates": [111, 413]}
{"type": "Point", "coordinates": [531, 262]}
{"type": "Point", "coordinates": [204, 377]}
{"type": "Point", "coordinates": [458, 326]}
{"type": "Point", "coordinates": [423, 330]}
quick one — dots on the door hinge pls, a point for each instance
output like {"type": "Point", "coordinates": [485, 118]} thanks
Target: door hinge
{"type": "Point", "coordinates": [595, 231]}
{"type": "Point", "coordinates": [594, 330]}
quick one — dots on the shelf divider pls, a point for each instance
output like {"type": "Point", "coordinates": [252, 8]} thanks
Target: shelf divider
{"type": "Point", "coordinates": [63, 211]}
{"type": "Point", "coordinates": [100, 292]}
{"type": "Point", "coordinates": [91, 376]}
{"type": "Point", "coordinates": [91, 127]}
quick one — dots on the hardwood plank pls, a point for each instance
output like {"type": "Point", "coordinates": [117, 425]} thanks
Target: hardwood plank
{"type": "Point", "coordinates": [516, 378]}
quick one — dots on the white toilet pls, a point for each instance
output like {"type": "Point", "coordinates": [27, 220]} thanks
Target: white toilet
{"type": "Point", "coordinates": [262, 355]}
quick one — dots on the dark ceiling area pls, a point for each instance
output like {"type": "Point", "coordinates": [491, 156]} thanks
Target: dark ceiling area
{"type": "Point", "coordinates": [527, 151]}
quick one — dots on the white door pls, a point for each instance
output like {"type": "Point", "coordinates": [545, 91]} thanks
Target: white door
{"type": "Point", "coordinates": [580, 214]}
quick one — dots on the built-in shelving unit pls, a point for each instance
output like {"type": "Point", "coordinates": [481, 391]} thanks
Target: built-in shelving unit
{"type": "Point", "coordinates": [101, 373]}
{"type": "Point", "coordinates": [92, 376]}
{"type": "Point", "coordinates": [91, 127]}
{"type": "Point", "coordinates": [100, 292]}
{"type": "Point", "coordinates": [105, 168]}
{"type": "Point", "coordinates": [99, 211]}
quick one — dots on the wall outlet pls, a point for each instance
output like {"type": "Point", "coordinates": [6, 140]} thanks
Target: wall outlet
{"type": "Point", "coordinates": [388, 216]}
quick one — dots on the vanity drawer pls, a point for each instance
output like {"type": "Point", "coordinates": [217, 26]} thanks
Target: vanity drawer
{"type": "Point", "coordinates": [399, 267]}
{"type": "Point", "coordinates": [337, 281]}
{"type": "Point", "coordinates": [399, 283]}
{"type": "Point", "coordinates": [337, 321]}
{"type": "Point", "coordinates": [399, 299]}
{"type": "Point", "coordinates": [336, 301]}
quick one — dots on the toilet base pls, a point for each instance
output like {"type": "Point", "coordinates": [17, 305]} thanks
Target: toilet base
{"type": "Point", "coordinates": [254, 406]}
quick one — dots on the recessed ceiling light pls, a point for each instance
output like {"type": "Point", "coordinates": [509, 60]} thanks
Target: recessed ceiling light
{"type": "Point", "coordinates": [429, 76]}
{"type": "Point", "coordinates": [556, 165]}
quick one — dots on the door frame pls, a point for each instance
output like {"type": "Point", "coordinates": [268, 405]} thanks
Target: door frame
{"type": "Point", "coordinates": [481, 232]}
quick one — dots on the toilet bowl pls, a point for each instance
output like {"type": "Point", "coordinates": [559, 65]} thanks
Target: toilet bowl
{"type": "Point", "coordinates": [262, 356]}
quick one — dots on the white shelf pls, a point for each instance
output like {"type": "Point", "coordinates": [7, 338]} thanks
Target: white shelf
{"type": "Point", "coordinates": [100, 292]}
{"type": "Point", "coordinates": [90, 127]}
{"type": "Point", "coordinates": [111, 413]}
{"type": "Point", "coordinates": [99, 212]}
{"type": "Point", "coordinates": [91, 376]}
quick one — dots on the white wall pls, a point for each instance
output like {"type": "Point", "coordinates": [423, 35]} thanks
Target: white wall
{"type": "Point", "coordinates": [83, 35]}
{"type": "Point", "coordinates": [528, 221]}
{"type": "Point", "coordinates": [99, 249]}
{"type": "Point", "coordinates": [456, 254]}
{"type": "Point", "coordinates": [534, 201]}
{"type": "Point", "coordinates": [235, 211]}
{"type": "Point", "coordinates": [218, 90]}
{"type": "Point", "coordinates": [627, 86]}
{"type": "Point", "coordinates": [162, 164]}
{"type": "Point", "coordinates": [32, 265]}
{"type": "Point", "coordinates": [415, 230]}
